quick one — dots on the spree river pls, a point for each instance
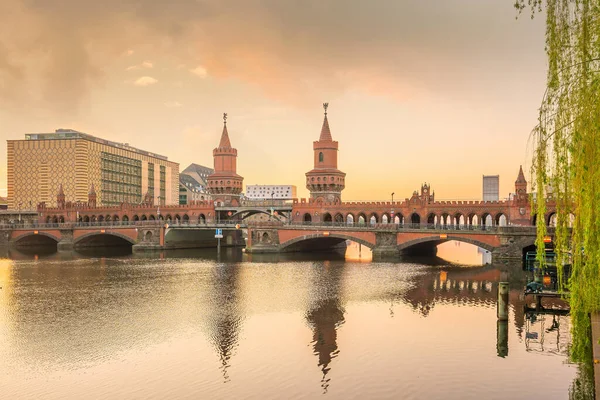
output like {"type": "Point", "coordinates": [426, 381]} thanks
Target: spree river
{"type": "Point", "coordinates": [189, 325]}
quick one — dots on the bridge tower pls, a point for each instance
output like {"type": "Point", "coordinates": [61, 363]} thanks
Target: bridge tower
{"type": "Point", "coordinates": [92, 197]}
{"type": "Point", "coordinates": [60, 197]}
{"type": "Point", "coordinates": [225, 185]}
{"type": "Point", "coordinates": [325, 181]}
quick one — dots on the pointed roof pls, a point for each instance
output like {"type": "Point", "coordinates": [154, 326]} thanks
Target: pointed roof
{"type": "Point", "coordinates": [92, 189]}
{"type": "Point", "coordinates": [225, 135]}
{"type": "Point", "coordinates": [60, 190]}
{"type": "Point", "coordinates": [325, 132]}
{"type": "Point", "coordinates": [521, 177]}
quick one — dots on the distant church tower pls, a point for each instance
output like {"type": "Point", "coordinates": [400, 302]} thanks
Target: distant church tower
{"type": "Point", "coordinates": [325, 181]}
{"type": "Point", "coordinates": [225, 185]}
{"type": "Point", "coordinates": [521, 187]}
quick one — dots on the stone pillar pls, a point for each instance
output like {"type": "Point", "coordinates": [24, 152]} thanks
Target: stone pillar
{"type": "Point", "coordinates": [149, 239]}
{"type": "Point", "coordinates": [66, 241]}
{"type": "Point", "coordinates": [386, 246]}
{"type": "Point", "coordinates": [262, 240]}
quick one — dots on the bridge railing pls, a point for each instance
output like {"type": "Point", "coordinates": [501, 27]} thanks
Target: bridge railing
{"type": "Point", "coordinates": [413, 226]}
{"type": "Point", "coordinates": [114, 224]}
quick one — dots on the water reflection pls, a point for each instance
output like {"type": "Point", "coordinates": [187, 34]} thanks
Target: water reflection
{"type": "Point", "coordinates": [225, 316]}
{"type": "Point", "coordinates": [73, 315]}
{"type": "Point", "coordinates": [325, 314]}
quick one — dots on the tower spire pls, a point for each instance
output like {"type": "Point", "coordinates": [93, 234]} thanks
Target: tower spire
{"type": "Point", "coordinates": [521, 177]}
{"type": "Point", "coordinates": [225, 135]}
{"type": "Point", "coordinates": [325, 132]}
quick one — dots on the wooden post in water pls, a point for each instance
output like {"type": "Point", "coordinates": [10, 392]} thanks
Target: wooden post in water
{"type": "Point", "coordinates": [502, 338]}
{"type": "Point", "coordinates": [503, 301]}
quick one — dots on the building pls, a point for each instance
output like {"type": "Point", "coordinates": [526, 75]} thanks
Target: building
{"type": "Point", "coordinates": [192, 183]}
{"type": "Point", "coordinates": [325, 181]}
{"type": "Point", "coordinates": [224, 184]}
{"type": "Point", "coordinates": [199, 173]}
{"type": "Point", "coordinates": [38, 165]}
{"type": "Point", "coordinates": [491, 187]}
{"type": "Point", "coordinates": [265, 192]}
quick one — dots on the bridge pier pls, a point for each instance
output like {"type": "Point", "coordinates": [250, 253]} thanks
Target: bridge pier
{"type": "Point", "coordinates": [262, 240]}
{"type": "Point", "coordinates": [149, 239]}
{"type": "Point", "coordinates": [386, 246]}
{"type": "Point", "coordinates": [66, 240]}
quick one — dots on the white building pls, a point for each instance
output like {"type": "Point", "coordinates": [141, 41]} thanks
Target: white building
{"type": "Point", "coordinates": [491, 187]}
{"type": "Point", "coordinates": [267, 192]}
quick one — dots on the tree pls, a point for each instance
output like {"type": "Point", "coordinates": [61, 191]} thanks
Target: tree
{"type": "Point", "coordinates": [567, 151]}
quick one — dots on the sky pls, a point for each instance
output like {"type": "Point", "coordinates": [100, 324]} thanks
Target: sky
{"type": "Point", "coordinates": [441, 92]}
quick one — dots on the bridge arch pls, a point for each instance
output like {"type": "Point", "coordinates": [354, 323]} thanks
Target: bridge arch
{"type": "Point", "coordinates": [385, 218]}
{"type": "Point", "coordinates": [327, 217]}
{"type": "Point", "coordinates": [436, 239]}
{"type": "Point", "coordinates": [201, 219]}
{"type": "Point", "coordinates": [331, 235]}
{"type": "Point", "coordinates": [350, 219]}
{"type": "Point", "coordinates": [33, 239]}
{"type": "Point", "coordinates": [373, 219]}
{"type": "Point", "coordinates": [339, 218]}
{"type": "Point", "coordinates": [93, 239]}
{"type": "Point", "coordinates": [361, 219]}
{"type": "Point", "coordinates": [501, 219]}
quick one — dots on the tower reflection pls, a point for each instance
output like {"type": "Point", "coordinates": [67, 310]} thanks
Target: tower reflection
{"type": "Point", "coordinates": [225, 319]}
{"type": "Point", "coordinates": [325, 314]}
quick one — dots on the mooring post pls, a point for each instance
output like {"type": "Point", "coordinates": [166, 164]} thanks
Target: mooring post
{"type": "Point", "coordinates": [502, 338]}
{"type": "Point", "coordinates": [503, 301]}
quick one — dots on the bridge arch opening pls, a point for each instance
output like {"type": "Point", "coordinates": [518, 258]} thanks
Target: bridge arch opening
{"type": "Point", "coordinates": [362, 219]}
{"type": "Point", "coordinates": [431, 219]}
{"type": "Point", "coordinates": [399, 219]}
{"type": "Point", "coordinates": [457, 249]}
{"type": "Point", "coordinates": [331, 242]}
{"type": "Point", "coordinates": [327, 218]}
{"type": "Point", "coordinates": [92, 240]}
{"type": "Point", "coordinates": [306, 218]}
{"type": "Point", "coordinates": [486, 219]}
{"type": "Point", "coordinates": [551, 220]}
{"type": "Point", "coordinates": [34, 241]}
{"type": "Point", "coordinates": [152, 218]}
{"type": "Point", "coordinates": [201, 219]}
{"type": "Point", "coordinates": [339, 218]}
{"type": "Point", "coordinates": [459, 219]}
{"type": "Point", "coordinates": [115, 218]}
{"type": "Point", "coordinates": [374, 219]}
{"type": "Point", "coordinates": [86, 218]}
{"type": "Point", "coordinates": [415, 219]}
{"type": "Point", "coordinates": [186, 219]}
{"type": "Point", "coordinates": [385, 219]}
{"type": "Point", "coordinates": [125, 218]}
{"type": "Point", "coordinates": [501, 219]}
{"type": "Point", "coordinates": [136, 218]}
{"type": "Point", "coordinates": [350, 219]}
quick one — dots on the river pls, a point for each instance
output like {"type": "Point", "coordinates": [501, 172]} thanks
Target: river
{"type": "Point", "coordinates": [191, 325]}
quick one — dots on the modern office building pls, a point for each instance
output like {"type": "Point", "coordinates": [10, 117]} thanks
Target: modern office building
{"type": "Point", "coordinates": [264, 192]}
{"type": "Point", "coordinates": [38, 165]}
{"type": "Point", "coordinates": [491, 187]}
{"type": "Point", "coordinates": [199, 173]}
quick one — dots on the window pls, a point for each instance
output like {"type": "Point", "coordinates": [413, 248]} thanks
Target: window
{"type": "Point", "coordinates": [321, 157]}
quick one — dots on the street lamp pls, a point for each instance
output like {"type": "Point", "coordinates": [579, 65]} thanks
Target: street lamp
{"type": "Point", "coordinates": [20, 212]}
{"type": "Point", "coordinates": [393, 193]}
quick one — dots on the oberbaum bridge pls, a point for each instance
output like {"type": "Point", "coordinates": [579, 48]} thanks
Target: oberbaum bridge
{"type": "Point", "coordinates": [415, 225]}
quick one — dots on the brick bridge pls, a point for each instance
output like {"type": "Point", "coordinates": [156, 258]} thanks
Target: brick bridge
{"type": "Point", "coordinates": [142, 236]}
{"type": "Point", "coordinates": [388, 240]}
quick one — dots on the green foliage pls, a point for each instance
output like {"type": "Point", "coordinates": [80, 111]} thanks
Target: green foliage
{"type": "Point", "coordinates": [567, 153]}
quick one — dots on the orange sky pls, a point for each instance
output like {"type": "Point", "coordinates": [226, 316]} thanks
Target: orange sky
{"type": "Point", "coordinates": [418, 93]}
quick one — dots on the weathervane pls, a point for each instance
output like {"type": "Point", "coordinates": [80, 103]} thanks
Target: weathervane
{"type": "Point", "coordinates": [325, 105]}
{"type": "Point", "coordinates": [225, 118]}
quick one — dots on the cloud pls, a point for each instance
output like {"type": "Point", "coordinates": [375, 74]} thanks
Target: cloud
{"type": "Point", "coordinates": [145, 81]}
{"type": "Point", "coordinates": [173, 104]}
{"type": "Point", "coordinates": [199, 71]}
{"type": "Point", "coordinates": [145, 64]}
{"type": "Point", "coordinates": [294, 51]}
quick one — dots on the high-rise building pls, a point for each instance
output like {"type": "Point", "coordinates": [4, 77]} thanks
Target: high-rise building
{"type": "Point", "coordinates": [40, 164]}
{"type": "Point", "coordinates": [325, 181]}
{"type": "Point", "coordinates": [265, 192]}
{"type": "Point", "coordinates": [491, 187]}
